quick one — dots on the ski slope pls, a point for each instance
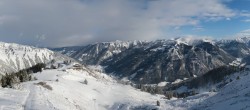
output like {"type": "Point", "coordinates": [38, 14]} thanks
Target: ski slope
{"type": "Point", "coordinates": [69, 93]}
{"type": "Point", "coordinates": [102, 93]}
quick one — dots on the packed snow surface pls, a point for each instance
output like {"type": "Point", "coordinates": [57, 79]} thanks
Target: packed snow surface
{"type": "Point", "coordinates": [69, 92]}
{"type": "Point", "coordinates": [66, 89]}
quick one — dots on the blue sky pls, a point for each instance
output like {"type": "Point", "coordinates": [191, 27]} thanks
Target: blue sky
{"type": "Point", "coordinates": [57, 23]}
{"type": "Point", "coordinates": [225, 28]}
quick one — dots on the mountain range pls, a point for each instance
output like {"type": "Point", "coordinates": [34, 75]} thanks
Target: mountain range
{"type": "Point", "coordinates": [189, 73]}
{"type": "Point", "coordinates": [161, 60]}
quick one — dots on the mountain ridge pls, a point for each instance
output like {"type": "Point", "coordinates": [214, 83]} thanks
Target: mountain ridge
{"type": "Point", "coordinates": [15, 57]}
{"type": "Point", "coordinates": [161, 60]}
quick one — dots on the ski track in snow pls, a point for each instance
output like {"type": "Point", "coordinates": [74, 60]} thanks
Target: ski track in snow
{"type": "Point", "coordinates": [35, 99]}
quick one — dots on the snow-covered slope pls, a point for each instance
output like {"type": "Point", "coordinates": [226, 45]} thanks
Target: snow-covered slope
{"type": "Point", "coordinates": [233, 96]}
{"type": "Point", "coordinates": [14, 57]}
{"type": "Point", "coordinates": [69, 92]}
{"type": "Point", "coordinates": [65, 89]}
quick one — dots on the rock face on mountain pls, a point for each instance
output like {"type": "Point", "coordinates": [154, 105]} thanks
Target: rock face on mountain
{"type": "Point", "coordinates": [96, 53]}
{"type": "Point", "coordinates": [15, 57]}
{"type": "Point", "coordinates": [167, 61]}
{"type": "Point", "coordinates": [238, 48]}
{"type": "Point", "coordinates": [161, 60]}
{"type": "Point", "coordinates": [235, 48]}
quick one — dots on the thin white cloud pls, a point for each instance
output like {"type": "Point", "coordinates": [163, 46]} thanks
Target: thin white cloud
{"type": "Point", "coordinates": [244, 13]}
{"type": "Point", "coordinates": [246, 20]}
{"type": "Point", "coordinates": [78, 22]}
{"type": "Point", "coordinates": [244, 33]}
{"type": "Point", "coordinates": [198, 28]}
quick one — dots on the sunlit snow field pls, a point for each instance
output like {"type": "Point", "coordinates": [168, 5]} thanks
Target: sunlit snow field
{"type": "Point", "coordinates": [103, 93]}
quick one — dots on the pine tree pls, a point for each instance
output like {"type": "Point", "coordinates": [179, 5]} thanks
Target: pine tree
{"type": "Point", "coordinates": [238, 77]}
{"type": "Point", "coordinates": [3, 82]}
{"type": "Point", "coordinates": [158, 103]}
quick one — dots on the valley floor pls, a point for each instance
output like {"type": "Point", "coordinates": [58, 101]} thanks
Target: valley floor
{"type": "Point", "coordinates": [66, 90]}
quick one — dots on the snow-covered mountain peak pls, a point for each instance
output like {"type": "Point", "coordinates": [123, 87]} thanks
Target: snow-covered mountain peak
{"type": "Point", "coordinates": [243, 39]}
{"type": "Point", "coordinates": [21, 48]}
{"type": "Point", "coordinates": [15, 57]}
{"type": "Point", "coordinates": [193, 40]}
{"type": "Point", "coordinates": [121, 44]}
{"type": "Point", "coordinates": [96, 53]}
